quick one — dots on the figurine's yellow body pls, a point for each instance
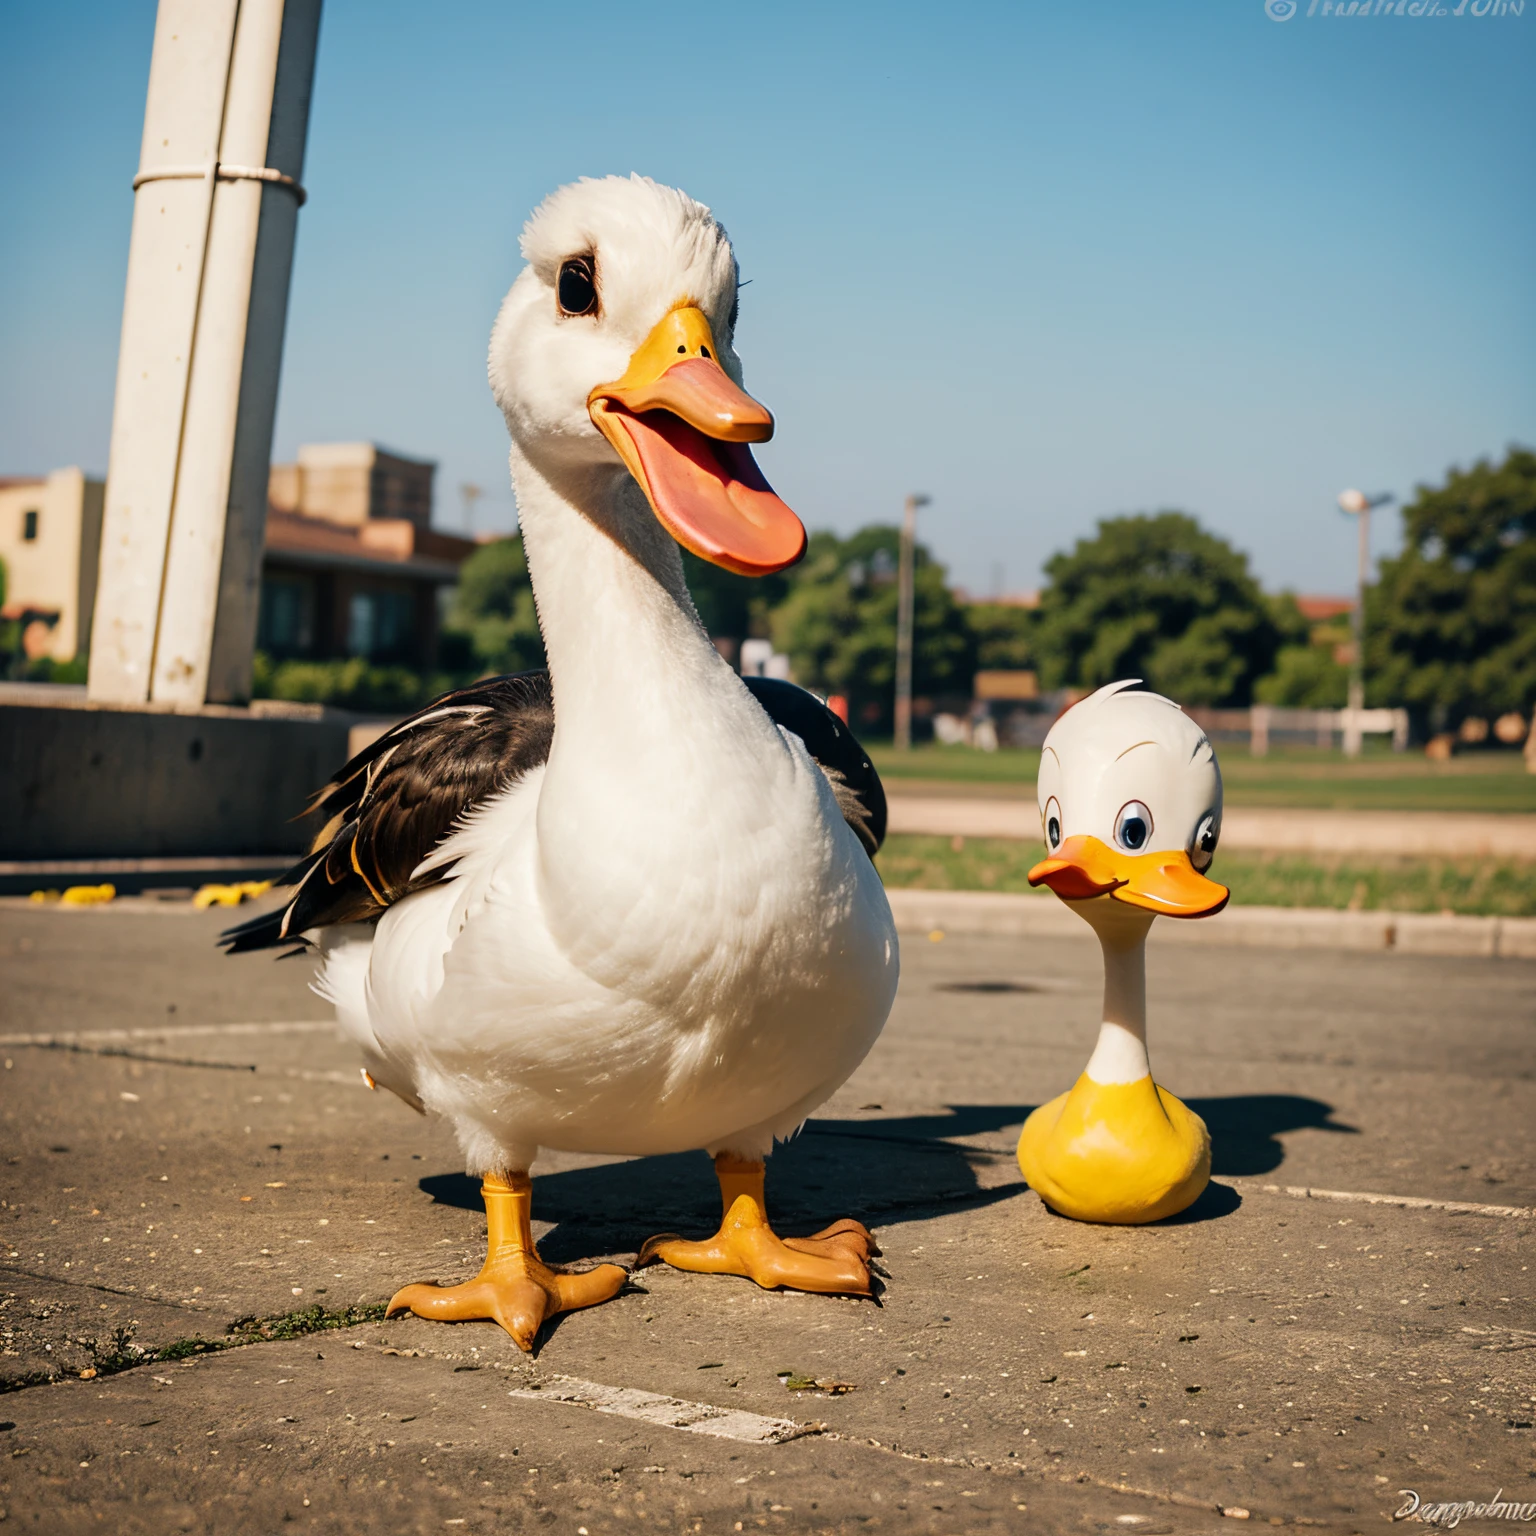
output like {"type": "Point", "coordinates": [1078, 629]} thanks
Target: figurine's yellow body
{"type": "Point", "coordinates": [1116, 1152]}
{"type": "Point", "coordinates": [1130, 801]}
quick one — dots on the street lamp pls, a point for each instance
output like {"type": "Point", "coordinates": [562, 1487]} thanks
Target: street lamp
{"type": "Point", "coordinates": [904, 606]}
{"type": "Point", "coordinates": [1358, 504]}
{"type": "Point", "coordinates": [470, 494]}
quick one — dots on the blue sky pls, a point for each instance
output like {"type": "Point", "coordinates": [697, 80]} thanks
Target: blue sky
{"type": "Point", "coordinates": [1043, 262]}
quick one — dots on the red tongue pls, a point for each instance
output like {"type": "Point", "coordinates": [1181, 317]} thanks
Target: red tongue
{"type": "Point", "coordinates": [712, 497]}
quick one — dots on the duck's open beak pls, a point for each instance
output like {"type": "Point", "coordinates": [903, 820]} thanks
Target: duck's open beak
{"type": "Point", "coordinates": [682, 428]}
{"type": "Point", "coordinates": [1163, 882]}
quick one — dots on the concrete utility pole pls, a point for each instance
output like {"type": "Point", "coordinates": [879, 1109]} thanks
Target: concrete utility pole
{"type": "Point", "coordinates": [214, 219]}
{"type": "Point", "coordinates": [1359, 505]}
{"type": "Point", "coordinates": [905, 602]}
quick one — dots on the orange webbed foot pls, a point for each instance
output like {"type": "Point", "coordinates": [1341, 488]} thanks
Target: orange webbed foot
{"type": "Point", "coordinates": [835, 1261]}
{"type": "Point", "coordinates": [515, 1287]}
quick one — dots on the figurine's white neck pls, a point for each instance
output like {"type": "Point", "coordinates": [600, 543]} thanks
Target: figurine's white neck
{"type": "Point", "coordinates": [1121, 1054]}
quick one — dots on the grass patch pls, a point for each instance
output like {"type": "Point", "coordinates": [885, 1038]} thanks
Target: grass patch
{"type": "Point", "coordinates": [1483, 887]}
{"type": "Point", "coordinates": [1378, 781]}
{"type": "Point", "coordinates": [1299, 777]}
{"type": "Point", "coordinates": [117, 1352]}
{"type": "Point", "coordinates": [911, 861]}
{"type": "Point", "coordinates": [1478, 887]}
{"type": "Point", "coordinates": [295, 1325]}
{"type": "Point", "coordinates": [957, 765]}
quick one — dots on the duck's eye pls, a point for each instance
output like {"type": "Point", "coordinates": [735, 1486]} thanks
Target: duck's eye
{"type": "Point", "coordinates": [1203, 849]}
{"type": "Point", "coordinates": [577, 286]}
{"type": "Point", "coordinates": [1133, 826]}
{"type": "Point", "coordinates": [1052, 824]}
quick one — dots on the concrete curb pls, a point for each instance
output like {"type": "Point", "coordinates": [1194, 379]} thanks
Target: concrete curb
{"type": "Point", "coordinates": [1411, 933]}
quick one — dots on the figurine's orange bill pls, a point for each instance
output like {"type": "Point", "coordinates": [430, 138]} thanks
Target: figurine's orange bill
{"type": "Point", "coordinates": [1165, 881]}
{"type": "Point", "coordinates": [681, 426]}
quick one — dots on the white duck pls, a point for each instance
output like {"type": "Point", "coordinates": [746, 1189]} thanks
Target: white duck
{"type": "Point", "coordinates": [637, 916]}
{"type": "Point", "coordinates": [1130, 805]}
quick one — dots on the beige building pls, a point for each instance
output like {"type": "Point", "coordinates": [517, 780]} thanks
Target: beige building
{"type": "Point", "coordinates": [353, 566]}
{"type": "Point", "coordinates": [353, 483]}
{"type": "Point", "coordinates": [50, 541]}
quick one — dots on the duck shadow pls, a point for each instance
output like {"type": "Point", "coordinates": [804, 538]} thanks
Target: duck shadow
{"type": "Point", "coordinates": [902, 1169]}
{"type": "Point", "coordinates": [873, 1170]}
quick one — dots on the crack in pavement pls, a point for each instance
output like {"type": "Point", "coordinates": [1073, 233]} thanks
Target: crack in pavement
{"type": "Point", "coordinates": [77, 1049]}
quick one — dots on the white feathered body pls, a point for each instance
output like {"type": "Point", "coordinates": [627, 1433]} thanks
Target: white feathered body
{"type": "Point", "coordinates": [666, 938]}
{"type": "Point", "coordinates": [654, 1003]}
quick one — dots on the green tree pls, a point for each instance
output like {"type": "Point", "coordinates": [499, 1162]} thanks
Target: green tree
{"type": "Point", "coordinates": [1451, 621]}
{"type": "Point", "coordinates": [1156, 596]}
{"type": "Point", "coordinates": [838, 624]}
{"type": "Point", "coordinates": [492, 616]}
{"type": "Point", "coordinates": [1305, 677]}
{"type": "Point", "coordinates": [729, 605]}
{"type": "Point", "coordinates": [1306, 674]}
{"type": "Point", "coordinates": [1004, 635]}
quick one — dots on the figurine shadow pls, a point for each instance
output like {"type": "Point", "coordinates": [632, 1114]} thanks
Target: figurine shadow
{"type": "Point", "coordinates": [901, 1169]}
{"type": "Point", "coordinates": [1245, 1128]}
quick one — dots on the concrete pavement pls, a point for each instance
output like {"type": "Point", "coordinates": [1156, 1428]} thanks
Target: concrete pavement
{"type": "Point", "coordinates": [186, 1145]}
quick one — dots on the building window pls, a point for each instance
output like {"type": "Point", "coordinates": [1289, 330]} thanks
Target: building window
{"type": "Point", "coordinates": [286, 624]}
{"type": "Point", "coordinates": [360, 625]}
{"type": "Point", "coordinates": [396, 613]}
{"type": "Point", "coordinates": [381, 625]}
{"type": "Point", "coordinates": [29, 525]}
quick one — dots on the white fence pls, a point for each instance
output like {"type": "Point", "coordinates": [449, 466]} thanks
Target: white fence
{"type": "Point", "coordinates": [1323, 724]}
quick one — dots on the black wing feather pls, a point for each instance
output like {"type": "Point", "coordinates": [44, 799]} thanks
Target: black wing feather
{"type": "Point", "coordinates": [401, 795]}
{"type": "Point", "coordinates": [860, 795]}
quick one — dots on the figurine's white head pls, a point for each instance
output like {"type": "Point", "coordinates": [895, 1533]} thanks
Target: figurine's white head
{"type": "Point", "coordinates": [1130, 805]}
{"type": "Point", "coordinates": [614, 351]}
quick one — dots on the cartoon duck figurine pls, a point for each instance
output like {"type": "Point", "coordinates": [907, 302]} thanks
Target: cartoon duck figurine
{"type": "Point", "coordinates": [1130, 803]}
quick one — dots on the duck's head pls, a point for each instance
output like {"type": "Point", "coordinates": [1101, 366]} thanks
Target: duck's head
{"type": "Point", "coordinates": [1130, 805]}
{"type": "Point", "coordinates": [613, 356]}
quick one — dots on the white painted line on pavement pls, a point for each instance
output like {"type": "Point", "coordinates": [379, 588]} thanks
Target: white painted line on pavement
{"type": "Point", "coordinates": [668, 1412]}
{"type": "Point", "coordinates": [166, 1032]}
{"type": "Point", "coordinates": [1409, 1202]}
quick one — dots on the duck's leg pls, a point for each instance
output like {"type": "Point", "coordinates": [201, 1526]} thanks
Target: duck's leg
{"type": "Point", "coordinates": [514, 1286]}
{"type": "Point", "coordinates": [835, 1261]}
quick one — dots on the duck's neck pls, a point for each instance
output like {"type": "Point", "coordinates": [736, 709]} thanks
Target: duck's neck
{"type": "Point", "coordinates": [1121, 1053]}
{"type": "Point", "coordinates": [633, 671]}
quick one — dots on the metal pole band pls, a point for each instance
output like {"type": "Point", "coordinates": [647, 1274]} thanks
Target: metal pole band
{"type": "Point", "coordinates": [223, 173]}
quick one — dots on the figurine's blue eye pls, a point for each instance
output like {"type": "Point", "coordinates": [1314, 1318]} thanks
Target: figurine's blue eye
{"type": "Point", "coordinates": [1133, 826]}
{"type": "Point", "coordinates": [1052, 824]}
{"type": "Point", "coordinates": [1203, 849]}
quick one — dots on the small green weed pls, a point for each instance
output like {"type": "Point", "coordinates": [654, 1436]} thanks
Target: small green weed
{"type": "Point", "coordinates": [117, 1352]}
{"type": "Point", "coordinates": [294, 1325]}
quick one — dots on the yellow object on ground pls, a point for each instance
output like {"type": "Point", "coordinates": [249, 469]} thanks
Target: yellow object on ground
{"type": "Point", "coordinates": [514, 1286]}
{"type": "Point", "coordinates": [230, 895]}
{"type": "Point", "coordinates": [42, 896]}
{"type": "Point", "coordinates": [86, 895]}
{"type": "Point", "coordinates": [1124, 1153]}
